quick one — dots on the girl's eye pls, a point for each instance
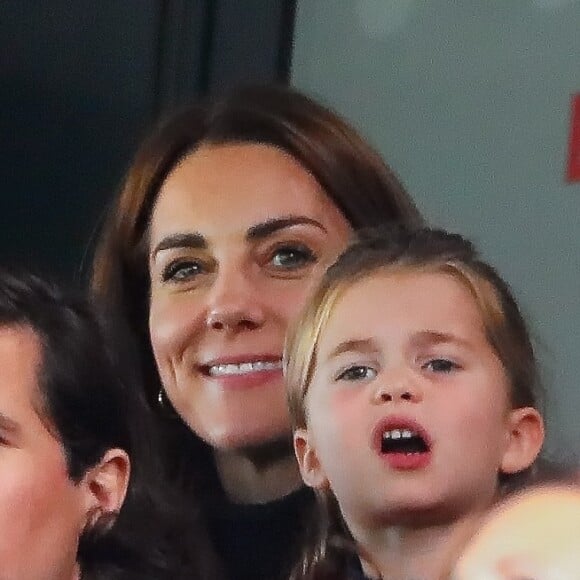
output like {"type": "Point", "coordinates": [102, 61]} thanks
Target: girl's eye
{"type": "Point", "coordinates": [180, 271]}
{"type": "Point", "coordinates": [440, 365]}
{"type": "Point", "coordinates": [292, 257]}
{"type": "Point", "coordinates": [357, 373]}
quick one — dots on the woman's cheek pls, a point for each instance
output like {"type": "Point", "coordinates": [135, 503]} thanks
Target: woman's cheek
{"type": "Point", "coordinates": [166, 331]}
{"type": "Point", "coordinates": [295, 300]}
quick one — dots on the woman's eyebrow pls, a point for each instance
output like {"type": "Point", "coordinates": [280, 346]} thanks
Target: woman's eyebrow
{"type": "Point", "coordinates": [268, 227]}
{"type": "Point", "coordinates": [180, 240]}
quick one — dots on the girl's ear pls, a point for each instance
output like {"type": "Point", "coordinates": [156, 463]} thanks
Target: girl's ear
{"type": "Point", "coordinates": [105, 485]}
{"type": "Point", "coordinates": [525, 439]}
{"type": "Point", "coordinates": [310, 468]}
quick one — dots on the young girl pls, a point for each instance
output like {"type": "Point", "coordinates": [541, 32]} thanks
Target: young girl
{"type": "Point", "coordinates": [412, 389]}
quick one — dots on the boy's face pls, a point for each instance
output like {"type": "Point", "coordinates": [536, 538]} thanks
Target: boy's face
{"type": "Point", "coordinates": [42, 512]}
{"type": "Point", "coordinates": [533, 536]}
{"type": "Point", "coordinates": [408, 412]}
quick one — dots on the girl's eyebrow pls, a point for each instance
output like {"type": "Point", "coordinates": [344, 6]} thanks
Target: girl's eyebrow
{"type": "Point", "coordinates": [366, 345]}
{"type": "Point", "coordinates": [420, 339]}
{"type": "Point", "coordinates": [268, 227]}
{"type": "Point", "coordinates": [434, 337]}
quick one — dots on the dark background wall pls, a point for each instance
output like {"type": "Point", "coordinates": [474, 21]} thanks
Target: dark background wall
{"type": "Point", "coordinates": [82, 82]}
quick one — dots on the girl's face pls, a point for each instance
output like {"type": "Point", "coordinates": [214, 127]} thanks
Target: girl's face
{"type": "Point", "coordinates": [408, 413]}
{"type": "Point", "coordinates": [240, 234]}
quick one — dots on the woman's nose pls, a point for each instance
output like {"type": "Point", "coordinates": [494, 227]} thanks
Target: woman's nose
{"type": "Point", "coordinates": [234, 303]}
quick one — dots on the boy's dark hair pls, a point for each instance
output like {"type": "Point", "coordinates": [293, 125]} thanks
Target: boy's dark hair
{"type": "Point", "coordinates": [89, 400]}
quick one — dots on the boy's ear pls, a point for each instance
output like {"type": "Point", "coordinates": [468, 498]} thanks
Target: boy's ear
{"type": "Point", "coordinates": [310, 468]}
{"type": "Point", "coordinates": [525, 439]}
{"type": "Point", "coordinates": [105, 485]}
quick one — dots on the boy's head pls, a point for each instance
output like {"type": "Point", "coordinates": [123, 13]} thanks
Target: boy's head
{"type": "Point", "coordinates": [63, 429]}
{"type": "Point", "coordinates": [535, 534]}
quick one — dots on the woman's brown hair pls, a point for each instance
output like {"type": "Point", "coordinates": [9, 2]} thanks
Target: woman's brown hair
{"type": "Point", "coordinates": [394, 250]}
{"type": "Point", "coordinates": [350, 171]}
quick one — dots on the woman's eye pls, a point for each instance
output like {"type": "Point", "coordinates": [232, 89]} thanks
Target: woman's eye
{"type": "Point", "coordinates": [357, 373]}
{"type": "Point", "coordinates": [291, 257]}
{"type": "Point", "coordinates": [440, 365]}
{"type": "Point", "coordinates": [180, 271]}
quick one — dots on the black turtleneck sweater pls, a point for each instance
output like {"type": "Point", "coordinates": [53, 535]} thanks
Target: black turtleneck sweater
{"type": "Point", "coordinates": [261, 541]}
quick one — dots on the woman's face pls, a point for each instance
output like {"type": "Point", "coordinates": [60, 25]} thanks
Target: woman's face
{"type": "Point", "coordinates": [240, 234]}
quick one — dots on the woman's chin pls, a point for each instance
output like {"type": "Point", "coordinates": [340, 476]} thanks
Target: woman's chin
{"type": "Point", "coordinates": [249, 438]}
{"type": "Point", "coordinates": [231, 423]}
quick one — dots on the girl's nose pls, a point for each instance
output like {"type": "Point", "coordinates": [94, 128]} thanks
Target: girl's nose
{"type": "Point", "coordinates": [399, 388]}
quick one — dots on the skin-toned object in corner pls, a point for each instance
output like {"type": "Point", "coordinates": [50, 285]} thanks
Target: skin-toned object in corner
{"type": "Point", "coordinates": [534, 534]}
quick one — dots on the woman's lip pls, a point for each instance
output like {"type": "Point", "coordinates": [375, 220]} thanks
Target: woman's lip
{"type": "Point", "coordinates": [239, 377]}
{"type": "Point", "coordinates": [240, 359]}
{"type": "Point", "coordinates": [243, 371]}
{"type": "Point", "coordinates": [244, 368]}
{"type": "Point", "coordinates": [402, 422]}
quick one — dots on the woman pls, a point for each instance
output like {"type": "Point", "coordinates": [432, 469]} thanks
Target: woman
{"type": "Point", "coordinates": [228, 217]}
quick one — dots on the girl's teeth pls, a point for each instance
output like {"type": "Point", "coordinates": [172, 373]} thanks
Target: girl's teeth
{"type": "Point", "coordinates": [243, 368]}
{"type": "Point", "coordinates": [398, 434]}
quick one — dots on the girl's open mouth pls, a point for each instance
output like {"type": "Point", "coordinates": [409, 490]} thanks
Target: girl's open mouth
{"type": "Point", "coordinates": [402, 442]}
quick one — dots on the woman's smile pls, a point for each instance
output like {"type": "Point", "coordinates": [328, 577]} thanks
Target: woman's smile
{"type": "Point", "coordinates": [243, 368]}
{"type": "Point", "coordinates": [244, 371]}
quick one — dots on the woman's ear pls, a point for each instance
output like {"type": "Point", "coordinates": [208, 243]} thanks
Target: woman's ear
{"type": "Point", "coordinates": [106, 484]}
{"type": "Point", "coordinates": [525, 439]}
{"type": "Point", "coordinates": [310, 468]}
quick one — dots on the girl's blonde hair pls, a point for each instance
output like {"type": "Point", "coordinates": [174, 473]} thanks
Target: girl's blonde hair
{"type": "Point", "coordinates": [396, 250]}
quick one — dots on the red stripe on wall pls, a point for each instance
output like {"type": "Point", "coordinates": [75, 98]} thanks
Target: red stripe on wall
{"type": "Point", "coordinates": [573, 173]}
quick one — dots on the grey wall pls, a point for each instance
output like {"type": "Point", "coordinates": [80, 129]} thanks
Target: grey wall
{"type": "Point", "coordinates": [470, 103]}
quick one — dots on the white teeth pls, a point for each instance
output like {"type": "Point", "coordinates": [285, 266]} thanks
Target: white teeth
{"type": "Point", "coordinates": [399, 434]}
{"type": "Point", "coordinates": [243, 368]}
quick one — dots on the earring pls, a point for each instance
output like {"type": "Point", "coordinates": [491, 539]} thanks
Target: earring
{"type": "Point", "coordinates": [165, 406]}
